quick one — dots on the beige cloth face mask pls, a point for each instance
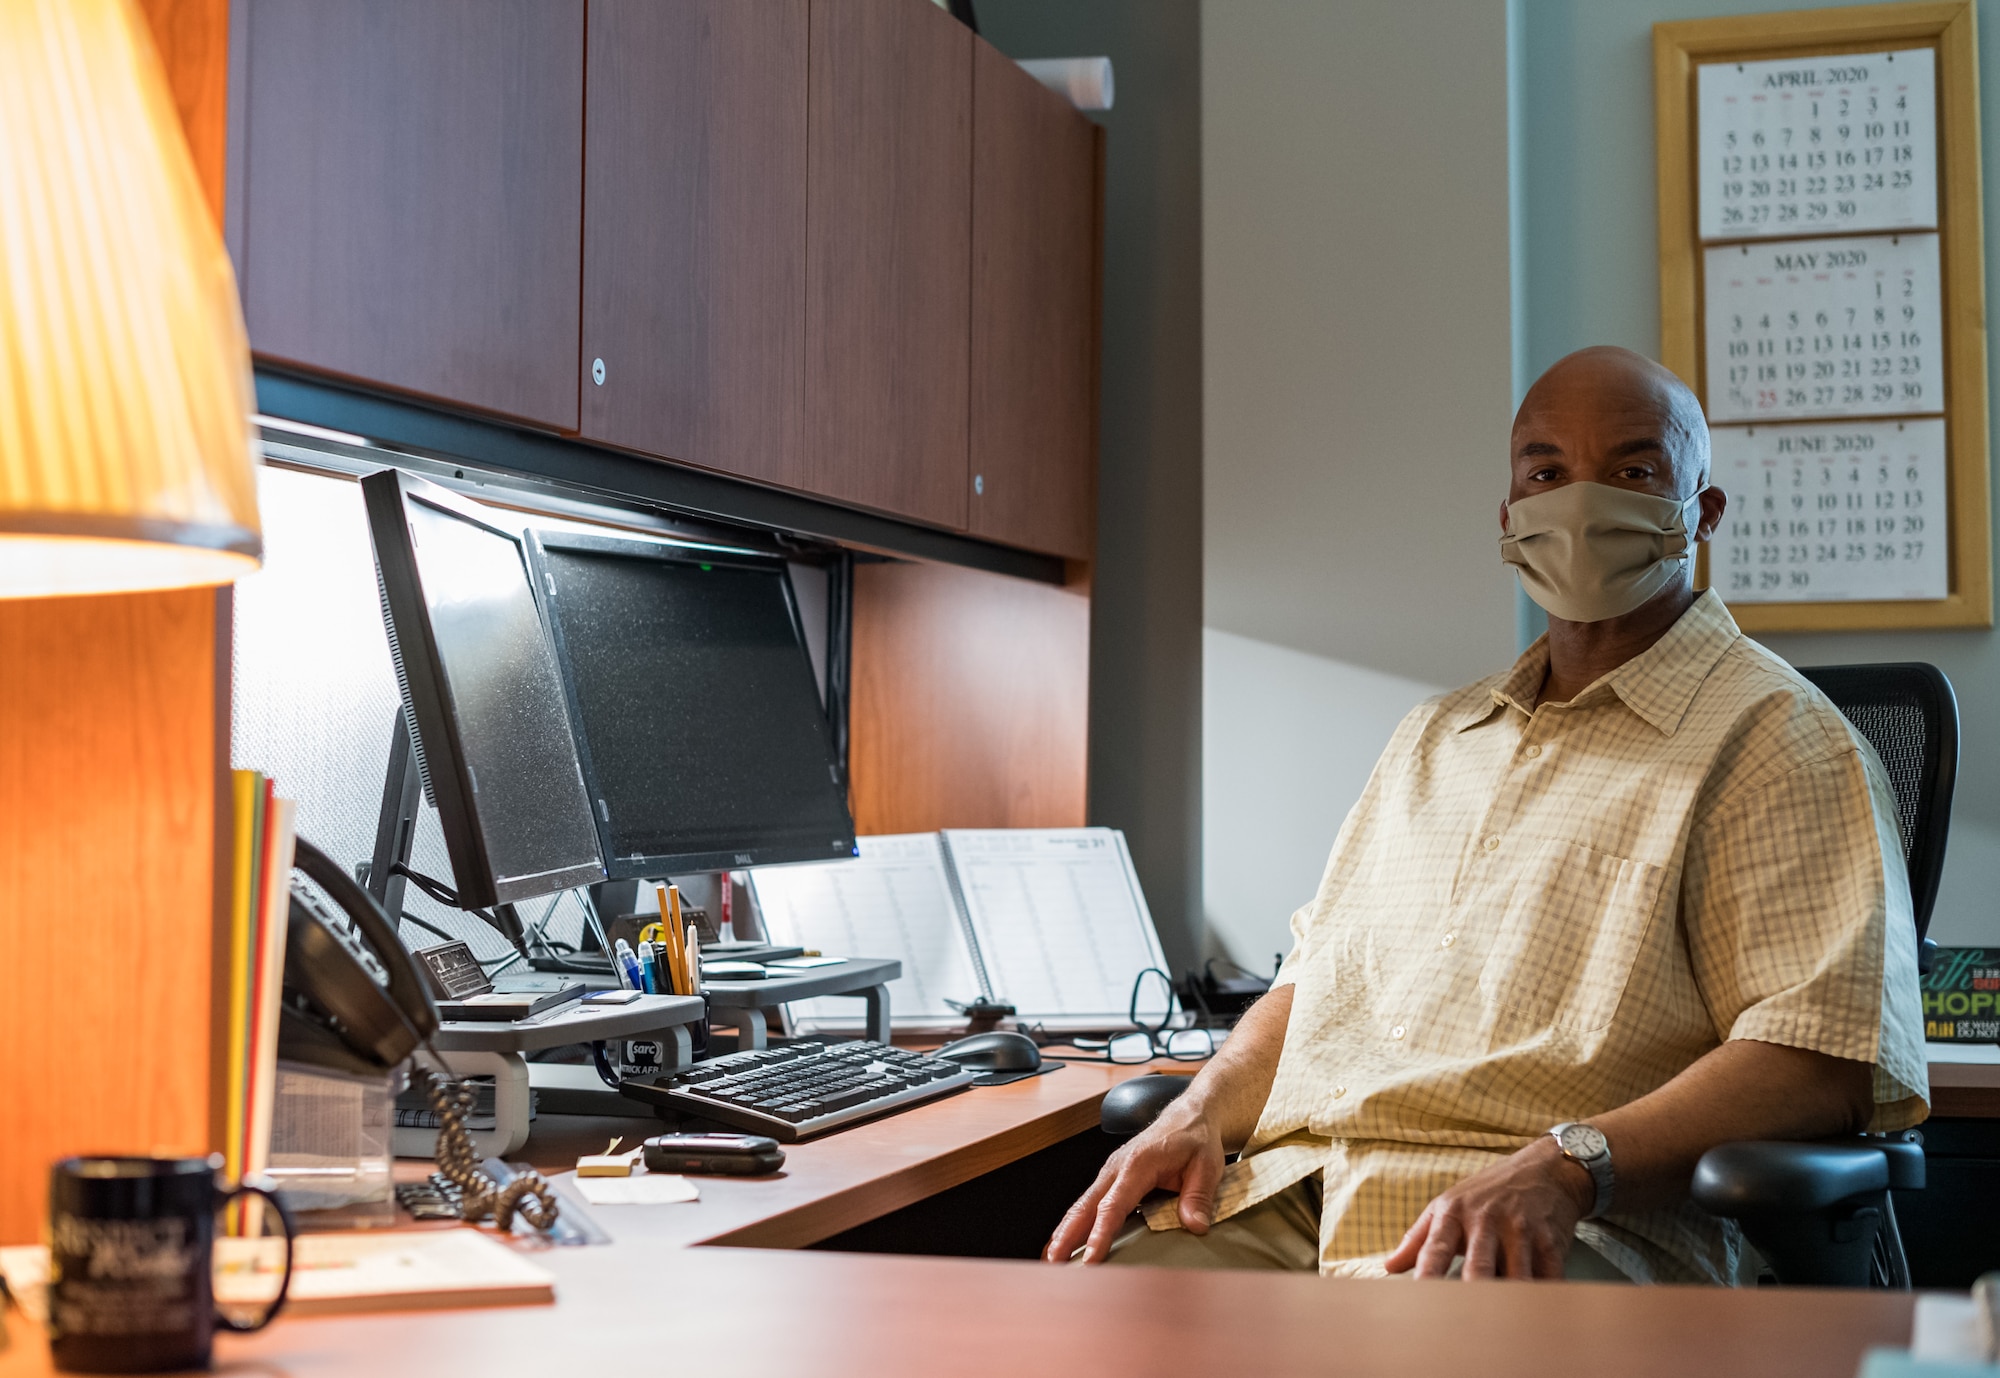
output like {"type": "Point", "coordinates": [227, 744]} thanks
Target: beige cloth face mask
{"type": "Point", "coordinates": [1588, 551]}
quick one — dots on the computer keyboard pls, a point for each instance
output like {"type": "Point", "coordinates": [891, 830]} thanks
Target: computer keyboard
{"type": "Point", "coordinates": [803, 1089]}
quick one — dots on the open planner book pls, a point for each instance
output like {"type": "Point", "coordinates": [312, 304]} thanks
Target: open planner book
{"type": "Point", "coordinates": [1049, 920]}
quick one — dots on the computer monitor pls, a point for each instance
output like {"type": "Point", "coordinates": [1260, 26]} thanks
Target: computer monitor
{"type": "Point", "coordinates": [704, 743]}
{"type": "Point", "coordinates": [481, 689]}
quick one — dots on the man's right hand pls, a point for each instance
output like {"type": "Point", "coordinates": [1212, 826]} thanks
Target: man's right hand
{"type": "Point", "coordinates": [1182, 1151]}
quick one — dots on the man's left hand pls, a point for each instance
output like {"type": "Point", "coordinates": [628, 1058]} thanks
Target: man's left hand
{"type": "Point", "coordinates": [1515, 1219]}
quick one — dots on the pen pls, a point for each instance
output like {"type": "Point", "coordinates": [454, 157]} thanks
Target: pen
{"type": "Point", "coordinates": [694, 961]}
{"type": "Point", "coordinates": [630, 974]}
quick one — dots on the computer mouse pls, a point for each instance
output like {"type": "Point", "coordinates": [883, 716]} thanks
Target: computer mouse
{"type": "Point", "coordinates": [994, 1051]}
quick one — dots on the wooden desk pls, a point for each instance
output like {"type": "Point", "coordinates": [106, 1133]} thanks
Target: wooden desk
{"type": "Point", "coordinates": [630, 1307]}
{"type": "Point", "coordinates": [1965, 1081]}
{"type": "Point", "coordinates": [648, 1302]}
{"type": "Point", "coordinates": [860, 1174]}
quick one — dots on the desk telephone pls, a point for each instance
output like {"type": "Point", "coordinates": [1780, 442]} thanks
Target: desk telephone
{"type": "Point", "coordinates": [354, 1000]}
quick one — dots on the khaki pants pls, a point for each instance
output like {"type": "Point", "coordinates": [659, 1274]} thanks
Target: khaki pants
{"type": "Point", "coordinates": [1281, 1232]}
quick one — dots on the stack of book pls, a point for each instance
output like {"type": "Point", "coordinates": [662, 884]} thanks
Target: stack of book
{"type": "Point", "coordinates": [260, 898]}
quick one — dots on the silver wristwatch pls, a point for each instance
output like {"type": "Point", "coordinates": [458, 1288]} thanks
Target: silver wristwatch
{"type": "Point", "coordinates": [1585, 1144]}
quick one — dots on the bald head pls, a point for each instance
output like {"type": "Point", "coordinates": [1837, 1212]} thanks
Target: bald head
{"type": "Point", "coordinates": [1608, 415]}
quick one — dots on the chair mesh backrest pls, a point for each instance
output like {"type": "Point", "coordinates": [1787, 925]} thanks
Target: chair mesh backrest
{"type": "Point", "coordinates": [1910, 716]}
{"type": "Point", "coordinates": [1896, 729]}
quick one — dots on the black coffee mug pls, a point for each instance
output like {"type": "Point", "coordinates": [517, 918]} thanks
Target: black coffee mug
{"type": "Point", "coordinates": [131, 1254]}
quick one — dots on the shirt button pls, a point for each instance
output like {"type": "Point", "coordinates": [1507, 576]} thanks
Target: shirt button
{"type": "Point", "coordinates": [1396, 1032]}
{"type": "Point", "coordinates": [1492, 844]}
{"type": "Point", "coordinates": [1532, 752]}
{"type": "Point", "coordinates": [1339, 1091]}
{"type": "Point", "coordinates": [1449, 938]}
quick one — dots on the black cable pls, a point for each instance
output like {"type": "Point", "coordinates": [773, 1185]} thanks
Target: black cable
{"type": "Point", "coordinates": [408, 917]}
{"type": "Point", "coordinates": [433, 929]}
{"type": "Point", "coordinates": [605, 1072]}
{"type": "Point", "coordinates": [448, 897]}
{"type": "Point", "coordinates": [436, 889]}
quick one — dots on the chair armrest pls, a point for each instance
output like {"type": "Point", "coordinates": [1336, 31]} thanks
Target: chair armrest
{"type": "Point", "coordinates": [1132, 1105]}
{"type": "Point", "coordinates": [1905, 1152]}
{"type": "Point", "coordinates": [1765, 1178]}
{"type": "Point", "coordinates": [1815, 1211]}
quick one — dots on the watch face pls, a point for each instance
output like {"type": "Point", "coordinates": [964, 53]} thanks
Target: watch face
{"type": "Point", "coordinates": [1584, 1141]}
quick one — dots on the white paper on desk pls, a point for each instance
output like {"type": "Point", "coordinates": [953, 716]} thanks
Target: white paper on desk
{"type": "Point", "coordinates": [26, 1270]}
{"type": "Point", "coordinates": [339, 1272]}
{"type": "Point", "coordinates": [893, 900]}
{"type": "Point", "coordinates": [1946, 1326]}
{"type": "Point", "coordinates": [1060, 922]}
{"type": "Point", "coordinates": [642, 1189]}
{"type": "Point", "coordinates": [379, 1270]}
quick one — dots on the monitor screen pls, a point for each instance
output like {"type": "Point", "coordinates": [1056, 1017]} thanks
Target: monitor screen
{"type": "Point", "coordinates": [485, 700]}
{"type": "Point", "coordinates": [704, 742]}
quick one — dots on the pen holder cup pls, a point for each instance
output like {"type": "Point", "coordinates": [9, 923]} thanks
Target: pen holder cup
{"type": "Point", "coordinates": [698, 1031]}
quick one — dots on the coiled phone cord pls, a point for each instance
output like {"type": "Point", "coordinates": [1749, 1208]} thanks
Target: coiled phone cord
{"type": "Point", "coordinates": [527, 1195]}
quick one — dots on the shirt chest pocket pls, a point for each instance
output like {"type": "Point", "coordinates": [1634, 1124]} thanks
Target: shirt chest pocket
{"type": "Point", "coordinates": [1562, 935]}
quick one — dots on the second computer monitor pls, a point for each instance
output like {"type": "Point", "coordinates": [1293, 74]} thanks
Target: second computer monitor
{"type": "Point", "coordinates": [704, 743]}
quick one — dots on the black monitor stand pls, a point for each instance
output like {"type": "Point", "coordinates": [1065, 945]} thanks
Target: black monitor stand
{"type": "Point", "coordinates": [395, 838]}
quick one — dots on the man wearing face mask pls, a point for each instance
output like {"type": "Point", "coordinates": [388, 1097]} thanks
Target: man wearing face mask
{"type": "Point", "coordinates": [1640, 895]}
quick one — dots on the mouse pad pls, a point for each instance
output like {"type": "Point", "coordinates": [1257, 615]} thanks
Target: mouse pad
{"type": "Point", "coordinates": [1002, 1078]}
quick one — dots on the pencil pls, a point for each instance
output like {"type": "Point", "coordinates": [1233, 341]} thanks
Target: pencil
{"type": "Point", "coordinates": [678, 928]}
{"type": "Point", "coordinates": [670, 968]}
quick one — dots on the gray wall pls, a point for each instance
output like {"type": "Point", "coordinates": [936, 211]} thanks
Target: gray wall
{"type": "Point", "coordinates": [1357, 398]}
{"type": "Point", "coordinates": [1587, 261]}
{"type": "Point", "coordinates": [1145, 644]}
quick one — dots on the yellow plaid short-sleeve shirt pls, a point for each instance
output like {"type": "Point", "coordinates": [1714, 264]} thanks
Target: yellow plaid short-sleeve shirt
{"type": "Point", "coordinates": [1539, 914]}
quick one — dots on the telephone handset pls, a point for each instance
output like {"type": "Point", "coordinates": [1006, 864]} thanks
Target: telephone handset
{"type": "Point", "coordinates": [361, 982]}
{"type": "Point", "coordinates": [354, 999]}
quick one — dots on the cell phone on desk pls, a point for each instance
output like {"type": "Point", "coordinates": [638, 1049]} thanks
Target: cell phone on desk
{"type": "Point", "coordinates": [737, 1155]}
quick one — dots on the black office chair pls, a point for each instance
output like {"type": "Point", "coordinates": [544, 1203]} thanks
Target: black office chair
{"type": "Point", "coordinates": [1819, 1213]}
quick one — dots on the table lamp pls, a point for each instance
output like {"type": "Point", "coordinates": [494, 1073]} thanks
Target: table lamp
{"type": "Point", "coordinates": [125, 392]}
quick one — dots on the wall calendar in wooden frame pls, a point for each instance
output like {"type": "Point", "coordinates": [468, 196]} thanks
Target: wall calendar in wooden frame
{"type": "Point", "coordinates": [1822, 289]}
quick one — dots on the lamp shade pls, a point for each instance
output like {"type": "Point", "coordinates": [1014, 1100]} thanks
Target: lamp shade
{"type": "Point", "coordinates": [125, 393]}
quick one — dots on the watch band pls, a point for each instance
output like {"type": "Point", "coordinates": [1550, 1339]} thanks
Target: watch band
{"type": "Point", "coordinates": [1597, 1164]}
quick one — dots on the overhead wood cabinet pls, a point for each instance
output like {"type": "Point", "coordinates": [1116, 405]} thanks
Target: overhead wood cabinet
{"type": "Point", "coordinates": [412, 195]}
{"type": "Point", "coordinates": [888, 257]}
{"type": "Point", "coordinates": [1034, 313]}
{"type": "Point", "coordinates": [842, 247]}
{"type": "Point", "coordinates": [694, 252]}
